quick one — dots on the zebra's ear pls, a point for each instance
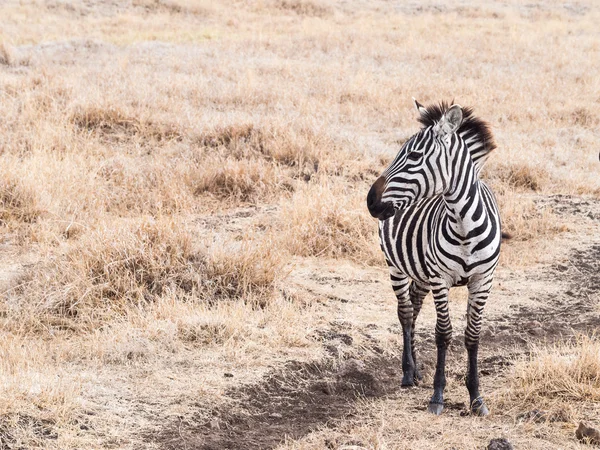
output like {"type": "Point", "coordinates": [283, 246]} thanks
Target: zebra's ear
{"type": "Point", "coordinates": [450, 121]}
{"type": "Point", "coordinates": [420, 108]}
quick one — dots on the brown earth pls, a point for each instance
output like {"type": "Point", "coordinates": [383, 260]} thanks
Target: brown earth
{"type": "Point", "coordinates": [553, 301]}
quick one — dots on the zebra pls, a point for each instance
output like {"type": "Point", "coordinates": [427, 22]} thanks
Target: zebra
{"type": "Point", "coordinates": [439, 227]}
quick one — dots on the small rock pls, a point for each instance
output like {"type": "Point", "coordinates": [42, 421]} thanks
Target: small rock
{"type": "Point", "coordinates": [534, 415]}
{"type": "Point", "coordinates": [587, 434]}
{"type": "Point", "coordinates": [333, 350]}
{"type": "Point", "coordinates": [503, 334]}
{"type": "Point", "coordinates": [228, 375]}
{"type": "Point", "coordinates": [499, 444]}
{"type": "Point", "coordinates": [561, 415]}
{"type": "Point", "coordinates": [536, 331]}
{"type": "Point", "coordinates": [275, 415]}
{"type": "Point", "coordinates": [214, 424]}
{"type": "Point", "coordinates": [351, 365]}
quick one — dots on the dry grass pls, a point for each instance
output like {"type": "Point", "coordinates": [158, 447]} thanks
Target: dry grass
{"type": "Point", "coordinates": [306, 7]}
{"type": "Point", "coordinates": [526, 221]}
{"type": "Point", "coordinates": [112, 123]}
{"type": "Point", "coordinates": [196, 7]}
{"type": "Point", "coordinates": [124, 126]}
{"type": "Point", "coordinates": [112, 271]}
{"type": "Point", "coordinates": [233, 180]}
{"type": "Point", "coordinates": [329, 221]}
{"type": "Point", "coordinates": [253, 164]}
{"type": "Point", "coordinates": [519, 176]}
{"type": "Point", "coordinates": [18, 201]}
{"type": "Point", "coordinates": [559, 379]}
{"type": "Point", "coordinates": [6, 54]}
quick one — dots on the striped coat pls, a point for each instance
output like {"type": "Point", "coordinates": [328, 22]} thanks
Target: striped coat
{"type": "Point", "coordinates": [439, 227]}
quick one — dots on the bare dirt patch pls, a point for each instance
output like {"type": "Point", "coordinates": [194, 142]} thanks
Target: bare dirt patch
{"type": "Point", "coordinates": [288, 403]}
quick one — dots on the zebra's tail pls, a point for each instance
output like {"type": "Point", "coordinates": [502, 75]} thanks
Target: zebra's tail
{"type": "Point", "coordinates": [506, 236]}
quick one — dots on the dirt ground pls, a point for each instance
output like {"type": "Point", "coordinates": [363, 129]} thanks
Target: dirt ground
{"type": "Point", "coordinates": [304, 404]}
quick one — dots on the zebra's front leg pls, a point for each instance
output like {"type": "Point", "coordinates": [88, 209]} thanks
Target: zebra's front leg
{"type": "Point", "coordinates": [443, 336]}
{"type": "Point", "coordinates": [401, 285]}
{"type": "Point", "coordinates": [478, 294]}
{"type": "Point", "coordinates": [418, 292]}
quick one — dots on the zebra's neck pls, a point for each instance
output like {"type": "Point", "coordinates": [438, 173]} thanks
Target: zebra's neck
{"type": "Point", "coordinates": [464, 202]}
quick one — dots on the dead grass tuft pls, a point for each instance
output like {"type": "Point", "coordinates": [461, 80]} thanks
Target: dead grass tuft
{"type": "Point", "coordinates": [242, 270]}
{"type": "Point", "coordinates": [555, 378]}
{"type": "Point", "coordinates": [306, 7]}
{"type": "Point", "coordinates": [114, 269]}
{"type": "Point", "coordinates": [248, 163]}
{"type": "Point", "coordinates": [288, 147]}
{"type": "Point", "coordinates": [18, 202]}
{"type": "Point", "coordinates": [206, 330]}
{"type": "Point", "coordinates": [583, 117]}
{"type": "Point", "coordinates": [7, 56]}
{"type": "Point", "coordinates": [114, 123]}
{"type": "Point", "coordinates": [519, 176]}
{"type": "Point", "coordinates": [152, 185]}
{"type": "Point", "coordinates": [322, 220]}
{"type": "Point", "coordinates": [196, 7]}
{"type": "Point", "coordinates": [526, 221]}
{"type": "Point", "coordinates": [231, 179]}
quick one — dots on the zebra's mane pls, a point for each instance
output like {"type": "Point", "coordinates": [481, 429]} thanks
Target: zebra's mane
{"type": "Point", "coordinates": [475, 132]}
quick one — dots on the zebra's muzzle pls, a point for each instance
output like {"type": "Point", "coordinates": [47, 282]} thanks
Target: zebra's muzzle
{"type": "Point", "coordinates": [386, 211]}
{"type": "Point", "coordinates": [377, 208]}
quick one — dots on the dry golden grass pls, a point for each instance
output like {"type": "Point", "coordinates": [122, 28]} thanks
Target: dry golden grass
{"type": "Point", "coordinates": [135, 136]}
{"type": "Point", "coordinates": [116, 269]}
{"type": "Point", "coordinates": [329, 221]}
{"type": "Point", "coordinates": [231, 180]}
{"type": "Point", "coordinates": [560, 379]}
{"type": "Point", "coordinates": [306, 7]}
{"type": "Point", "coordinates": [518, 176]}
{"type": "Point", "coordinates": [6, 54]}
{"type": "Point", "coordinates": [18, 201]}
{"type": "Point", "coordinates": [253, 164]}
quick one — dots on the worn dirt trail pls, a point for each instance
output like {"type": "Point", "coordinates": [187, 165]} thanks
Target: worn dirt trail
{"type": "Point", "coordinates": [553, 300]}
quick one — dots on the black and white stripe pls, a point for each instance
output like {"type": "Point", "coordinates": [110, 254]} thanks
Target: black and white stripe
{"type": "Point", "coordinates": [440, 227]}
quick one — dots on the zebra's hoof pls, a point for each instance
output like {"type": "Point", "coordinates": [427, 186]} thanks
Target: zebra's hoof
{"type": "Point", "coordinates": [408, 380]}
{"type": "Point", "coordinates": [478, 407]}
{"type": "Point", "coordinates": [435, 408]}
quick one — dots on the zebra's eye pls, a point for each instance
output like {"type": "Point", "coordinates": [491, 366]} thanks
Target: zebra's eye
{"type": "Point", "coordinates": [415, 156]}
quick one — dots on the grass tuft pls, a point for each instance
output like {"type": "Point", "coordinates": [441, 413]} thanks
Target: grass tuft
{"type": "Point", "coordinates": [18, 202]}
{"type": "Point", "coordinates": [114, 123]}
{"type": "Point", "coordinates": [305, 7]}
{"type": "Point", "coordinates": [520, 176]}
{"type": "Point", "coordinates": [7, 56]}
{"type": "Point", "coordinates": [321, 220]}
{"type": "Point", "coordinates": [114, 270]}
{"type": "Point", "coordinates": [555, 378]}
{"type": "Point", "coordinates": [234, 180]}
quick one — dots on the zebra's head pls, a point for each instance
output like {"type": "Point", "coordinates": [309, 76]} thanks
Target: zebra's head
{"type": "Point", "coordinates": [422, 167]}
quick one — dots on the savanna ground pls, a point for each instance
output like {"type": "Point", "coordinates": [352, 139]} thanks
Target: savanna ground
{"type": "Point", "coordinates": [186, 256]}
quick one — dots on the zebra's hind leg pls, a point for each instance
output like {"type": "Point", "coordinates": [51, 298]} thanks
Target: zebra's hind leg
{"type": "Point", "coordinates": [443, 336]}
{"type": "Point", "coordinates": [418, 291]}
{"type": "Point", "coordinates": [478, 294]}
{"type": "Point", "coordinates": [401, 285]}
